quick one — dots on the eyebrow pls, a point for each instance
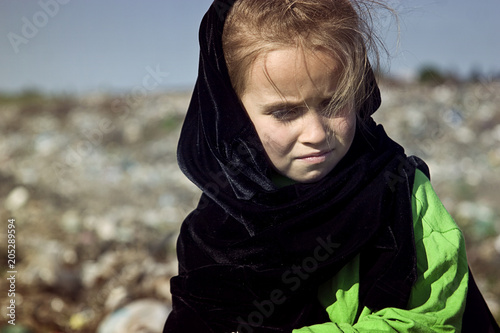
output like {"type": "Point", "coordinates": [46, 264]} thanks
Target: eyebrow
{"type": "Point", "coordinates": [280, 105]}
{"type": "Point", "coordinates": [284, 105]}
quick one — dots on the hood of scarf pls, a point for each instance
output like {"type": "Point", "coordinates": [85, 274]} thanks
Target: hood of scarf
{"type": "Point", "coordinates": [248, 239]}
{"type": "Point", "coordinates": [219, 149]}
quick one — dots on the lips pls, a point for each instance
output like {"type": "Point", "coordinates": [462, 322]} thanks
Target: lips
{"type": "Point", "coordinates": [317, 157]}
{"type": "Point", "coordinates": [318, 154]}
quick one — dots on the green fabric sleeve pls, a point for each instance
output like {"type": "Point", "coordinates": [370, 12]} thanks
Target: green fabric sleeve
{"type": "Point", "coordinates": [437, 300]}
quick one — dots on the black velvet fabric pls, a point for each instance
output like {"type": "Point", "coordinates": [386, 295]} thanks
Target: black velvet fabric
{"type": "Point", "coordinates": [252, 255]}
{"type": "Point", "coordinates": [477, 316]}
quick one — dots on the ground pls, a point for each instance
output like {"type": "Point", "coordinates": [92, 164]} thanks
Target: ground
{"type": "Point", "coordinates": [97, 197]}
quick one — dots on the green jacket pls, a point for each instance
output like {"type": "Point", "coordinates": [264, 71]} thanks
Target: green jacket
{"type": "Point", "coordinates": [437, 300]}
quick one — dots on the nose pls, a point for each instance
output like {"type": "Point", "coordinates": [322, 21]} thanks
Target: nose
{"type": "Point", "coordinates": [314, 129]}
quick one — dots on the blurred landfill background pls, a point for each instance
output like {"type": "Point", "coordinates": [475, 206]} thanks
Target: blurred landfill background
{"type": "Point", "coordinates": [98, 199]}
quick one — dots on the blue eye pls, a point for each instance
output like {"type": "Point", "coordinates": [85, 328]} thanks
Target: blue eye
{"type": "Point", "coordinates": [286, 115]}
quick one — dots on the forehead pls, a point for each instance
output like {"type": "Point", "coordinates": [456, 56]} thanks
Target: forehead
{"type": "Point", "coordinates": [292, 73]}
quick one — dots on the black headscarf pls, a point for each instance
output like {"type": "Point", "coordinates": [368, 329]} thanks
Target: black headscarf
{"type": "Point", "coordinates": [252, 255]}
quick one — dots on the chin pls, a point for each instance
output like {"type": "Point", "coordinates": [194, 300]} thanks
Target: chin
{"type": "Point", "coordinates": [310, 177]}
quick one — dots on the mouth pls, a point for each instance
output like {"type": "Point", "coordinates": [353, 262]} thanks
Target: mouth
{"type": "Point", "coordinates": [315, 157]}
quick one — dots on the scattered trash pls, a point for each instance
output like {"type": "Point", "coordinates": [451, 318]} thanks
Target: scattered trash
{"type": "Point", "coordinates": [17, 198]}
{"type": "Point", "coordinates": [95, 188]}
{"type": "Point", "coordinates": [146, 315]}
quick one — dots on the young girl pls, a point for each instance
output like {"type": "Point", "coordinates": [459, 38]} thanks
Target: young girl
{"type": "Point", "coordinates": [311, 219]}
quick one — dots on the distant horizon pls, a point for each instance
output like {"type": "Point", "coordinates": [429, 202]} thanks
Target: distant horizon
{"type": "Point", "coordinates": [409, 78]}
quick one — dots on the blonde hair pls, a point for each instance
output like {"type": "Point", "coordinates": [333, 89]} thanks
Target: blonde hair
{"type": "Point", "coordinates": [342, 28]}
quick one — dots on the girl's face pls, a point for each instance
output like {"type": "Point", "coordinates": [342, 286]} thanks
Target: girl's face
{"type": "Point", "coordinates": [285, 97]}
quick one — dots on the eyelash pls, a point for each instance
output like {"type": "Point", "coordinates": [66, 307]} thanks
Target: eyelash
{"type": "Point", "coordinates": [285, 115]}
{"type": "Point", "coordinates": [289, 115]}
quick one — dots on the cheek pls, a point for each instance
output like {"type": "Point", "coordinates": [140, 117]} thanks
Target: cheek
{"type": "Point", "coordinates": [344, 128]}
{"type": "Point", "coordinates": [276, 141]}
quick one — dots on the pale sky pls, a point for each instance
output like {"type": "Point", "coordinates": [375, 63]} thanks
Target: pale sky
{"type": "Point", "coordinates": [68, 46]}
